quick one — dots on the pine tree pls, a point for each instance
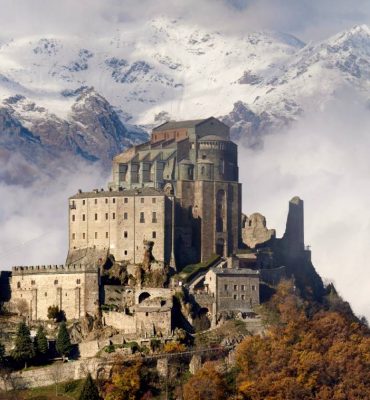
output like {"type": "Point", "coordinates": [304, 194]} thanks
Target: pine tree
{"type": "Point", "coordinates": [23, 350]}
{"type": "Point", "coordinates": [63, 343]}
{"type": "Point", "coordinates": [2, 353]}
{"type": "Point", "coordinates": [89, 390]}
{"type": "Point", "coordinates": [41, 343]}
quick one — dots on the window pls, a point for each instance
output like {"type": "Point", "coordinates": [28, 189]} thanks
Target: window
{"type": "Point", "coordinates": [96, 201]}
{"type": "Point", "coordinates": [83, 202]}
{"type": "Point", "coordinates": [204, 156]}
{"type": "Point", "coordinates": [84, 235]}
{"type": "Point", "coordinates": [202, 170]}
{"type": "Point", "coordinates": [125, 200]}
{"type": "Point", "coordinates": [225, 287]}
{"type": "Point", "coordinates": [125, 234]}
{"type": "Point", "coordinates": [235, 287]}
{"type": "Point", "coordinates": [46, 294]}
{"type": "Point", "coordinates": [125, 215]}
{"type": "Point", "coordinates": [113, 200]}
{"type": "Point", "coordinates": [106, 235]}
{"type": "Point", "coordinates": [235, 296]}
{"type": "Point", "coordinates": [106, 201]}
{"type": "Point", "coordinates": [154, 235]}
{"type": "Point", "coordinates": [73, 236]}
{"type": "Point", "coordinates": [114, 216]}
{"type": "Point", "coordinates": [83, 217]}
{"type": "Point", "coordinates": [253, 287]}
{"type": "Point", "coordinates": [243, 296]}
{"type": "Point", "coordinates": [33, 282]}
{"type": "Point", "coordinates": [56, 282]}
{"type": "Point", "coordinates": [18, 285]}
{"type": "Point", "coordinates": [243, 287]}
{"type": "Point", "coordinates": [125, 252]}
{"type": "Point", "coordinates": [96, 235]}
{"type": "Point", "coordinates": [142, 219]}
{"type": "Point", "coordinates": [96, 217]}
{"type": "Point", "coordinates": [106, 216]}
{"type": "Point", "coordinates": [142, 200]}
{"type": "Point", "coordinates": [73, 217]}
{"type": "Point", "coordinates": [154, 216]}
{"type": "Point", "coordinates": [154, 200]}
{"type": "Point", "coordinates": [78, 281]}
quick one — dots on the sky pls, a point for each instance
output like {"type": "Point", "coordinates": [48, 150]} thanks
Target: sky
{"type": "Point", "coordinates": [323, 159]}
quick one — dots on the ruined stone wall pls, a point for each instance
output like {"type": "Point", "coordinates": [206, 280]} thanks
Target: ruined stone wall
{"type": "Point", "coordinates": [151, 322]}
{"type": "Point", "coordinates": [74, 289]}
{"type": "Point", "coordinates": [119, 320]}
{"type": "Point", "coordinates": [119, 224]}
{"type": "Point", "coordinates": [254, 230]}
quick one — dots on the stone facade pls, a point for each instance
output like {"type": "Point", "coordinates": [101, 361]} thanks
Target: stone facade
{"type": "Point", "coordinates": [73, 288]}
{"type": "Point", "coordinates": [234, 289]}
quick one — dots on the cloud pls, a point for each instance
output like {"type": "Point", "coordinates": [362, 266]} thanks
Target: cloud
{"type": "Point", "coordinates": [307, 19]}
{"type": "Point", "coordinates": [34, 219]}
{"type": "Point", "coordinates": [323, 159]}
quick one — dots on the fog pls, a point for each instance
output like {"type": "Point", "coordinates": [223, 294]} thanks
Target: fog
{"type": "Point", "coordinates": [325, 160]}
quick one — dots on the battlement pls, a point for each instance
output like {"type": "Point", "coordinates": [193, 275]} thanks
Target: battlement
{"type": "Point", "coordinates": [52, 269]}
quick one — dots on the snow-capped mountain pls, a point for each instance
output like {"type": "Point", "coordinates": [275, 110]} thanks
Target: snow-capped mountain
{"type": "Point", "coordinates": [65, 94]}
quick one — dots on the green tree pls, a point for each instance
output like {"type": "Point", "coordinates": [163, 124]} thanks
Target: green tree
{"type": "Point", "coordinates": [89, 390]}
{"type": "Point", "coordinates": [63, 343]}
{"type": "Point", "coordinates": [23, 350]}
{"type": "Point", "coordinates": [41, 343]}
{"type": "Point", "coordinates": [2, 353]}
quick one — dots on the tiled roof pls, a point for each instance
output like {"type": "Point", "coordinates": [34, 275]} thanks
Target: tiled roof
{"type": "Point", "coordinates": [146, 191]}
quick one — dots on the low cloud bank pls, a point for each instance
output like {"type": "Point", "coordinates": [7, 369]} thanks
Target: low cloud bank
{"type": "Point", "coordinates": [325, 160]}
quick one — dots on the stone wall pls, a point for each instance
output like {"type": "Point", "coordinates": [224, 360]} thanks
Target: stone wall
{"type": "Point", "coordinates": [254, 230]}
{"type": "Point", "coordinates": [119, 320]}
{"type": "Point", "coordinates": [74, 289]}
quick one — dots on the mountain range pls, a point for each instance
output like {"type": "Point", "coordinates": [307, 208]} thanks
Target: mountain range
{"type": "Point", "coordinates": [65, 98]}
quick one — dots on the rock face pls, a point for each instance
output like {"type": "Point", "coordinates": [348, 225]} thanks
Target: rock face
{"type": "Point", "coordinates": [254, 230]}
{"type": "Point", "coordinates": [35, 143]}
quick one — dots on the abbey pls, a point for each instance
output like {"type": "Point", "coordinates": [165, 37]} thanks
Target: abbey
{"type": "Point", "coordinates": [173, 202]}
{"type": "Point", "coordinates": [179, 190]}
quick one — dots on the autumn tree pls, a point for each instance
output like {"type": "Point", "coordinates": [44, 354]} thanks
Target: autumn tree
{"type": "Point", "coordinates": [125, 384]}
{"type": "Point", "coordinates": [207, 383]}
{"type": "Point", "coordinates": [23, 348]}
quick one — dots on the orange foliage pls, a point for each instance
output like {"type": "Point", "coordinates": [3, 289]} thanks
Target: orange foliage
{"type": "Point", "coordinates": [323, 357]}
{"type": "Point", "coordinates": [174, 347]}
{"type": "Point", "coordinates": [207, 383]}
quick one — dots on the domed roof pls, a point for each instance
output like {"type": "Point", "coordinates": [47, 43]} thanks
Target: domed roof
{"type": "Point", "coordinates": [210, 138]}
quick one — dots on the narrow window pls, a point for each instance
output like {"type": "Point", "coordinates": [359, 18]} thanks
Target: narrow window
{"type": "Point", "coordinates": [84, 235]}
{"type": "Point", "coordinates": [73, 236]}
{"type": "Point", "coordinates": [83, 217]}
{"type": "Point", "coordinates": [106, 201]}
{"type": "Point", "coordinates": [225, 287]}
{"type": "Point", "coordinates": [142, 219]}
{"type": "Point", "coordinates": [243, 287]}
{"type": "Point", "coordinates": [113, 200]}
{"type": "Point", "coordinates": [125, 200]}
{"type": "Point", "coordinates": [106, 216]}
{"type": "Point", "coordinates": [46, 294]}
{"type": "Point", "coordinates": [154, 200]}
{"type": "Point", "coordinates": [154, 216]}
{"type": "Point", "coordinates": [114, 216]}
{"type": "Point", "coordinates": [96, 235]}
{"type": "Point", "coordinates": [83, 202]}
{"type": "Point", "coordinates": [235, 296]}
{"type": "Point", "coordinates": [142, 200]}
{"type": "Point", "coordinates": [78, 281]}
{"type": "Point", "coordinates": [125, 234]}
{"type": "Point", "coordinates": [125, 215]}
{"type": "Point", "coordinates": [243, 296]}
{"type": "Point", "coordinates": [154, 235]}
{"type": "Point", "coordinates": [253, 287]}
{"type": "Point", "coordinates": [73, 217]}
{"type": "Point", "coordinates": [96, 201]}
{"type": "Point", "coordinates": [106, 235]}
{"type": "Point", "coordinates": [33, 282]}
{"type": "Point", "coordinates": [56, 282]}
{"type": "Point", "coordinates": [18, 285]}
{"type": "Point", "coordinates": [235, 287]}
{"type": "Point", "coordinates": [125, 252]}
{"type": "Point", "coordinates": [96, 217]}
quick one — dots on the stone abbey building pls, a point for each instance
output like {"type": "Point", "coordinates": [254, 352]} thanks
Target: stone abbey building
{"type": "Point", "coordinates": [180, 190]}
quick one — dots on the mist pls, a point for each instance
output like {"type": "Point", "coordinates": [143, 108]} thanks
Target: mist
{"type": "Point", "coordinates": [323, 159]}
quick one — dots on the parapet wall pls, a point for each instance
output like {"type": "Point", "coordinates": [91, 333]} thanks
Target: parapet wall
{"type": "Point", "coordinates": [52, 269]}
